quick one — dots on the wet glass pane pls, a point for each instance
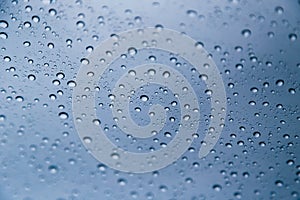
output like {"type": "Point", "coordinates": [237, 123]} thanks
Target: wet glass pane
{"type": "Point", "coordinates": [186, 100]}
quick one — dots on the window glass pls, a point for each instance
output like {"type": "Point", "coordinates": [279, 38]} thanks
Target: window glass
{"type": "Point", "coordinates": [159, 100]}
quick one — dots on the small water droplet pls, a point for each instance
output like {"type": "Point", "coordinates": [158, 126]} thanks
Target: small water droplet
{"type": "Point", "coordinates": [279, 10]}
{"type": "Point", "coordinates": [199, 45]}
{"type": "Point", "coordinates": [254, 90]}
{"type": "Point", "coordinates": [101, 167]}
{"type": "Point", "coordinates": [217, 187]}
{"type": "Point", "coordinates": [132, 51]}
{"type": "Point", "coordinates": [35, 19]}
{"type": "Point", "coordinates": [166, 74]}
{"type": "Point", "coordinates": [292, 37]}
{"type": "Point", "coordinates": [87, 140]}
{"type": "Point", "coordinates": [292, 91]}
{"type": "Point", "coordinates": [279, 82]}
{"type": "Point", "coordinates": [19, 98]}
{"type": "Point", "coordinates": [144, 98]}
{"type": "Point", "coordinates": [122, 182]}
{"type": "Point", "coordinates": [71, 83]}
{"type": "Point", "coordinates": [52, 12]}
{"type": "Point", "coordinates": [191, 13]}
{"type": "Point", "coordinates": [115, 156]}
{"type": "Point", "coordinates": [246, 33]}
{"type": "Point", "coordinates": [26, 43]}
{"type": "Point", "coordinates": [279, 183]}
{"type": "Point", "coordinates": [132, 72]}
{"type": "Point", "coordinates": [50, 45]}
{"type": "Point", "coordinates": [53, 169]}
{"type": "Point", "coordinates": [3, 35]}
{"type": "Point", "coordinates": [3, 24]}
{"type": "Point", "coordinates": [84, 61]}
{"type": "Point", "coordinates": [31, 77]}
{"type": "Point", "coordinates": [63, 115]}
{"type": "Point", "coordinates": [60, 75]}
{"type": "Point", "coordinates": [80, 24]}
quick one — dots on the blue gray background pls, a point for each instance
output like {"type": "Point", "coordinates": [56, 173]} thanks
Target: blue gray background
{"type": "Point", "coordinates": [256, 46]}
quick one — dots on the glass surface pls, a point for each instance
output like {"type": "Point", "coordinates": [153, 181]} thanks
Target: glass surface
{"type": "Point", "coordinates": [242, 71]}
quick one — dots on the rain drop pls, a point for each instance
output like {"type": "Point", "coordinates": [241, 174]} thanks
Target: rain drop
{"type": "Point", "coordinates": [246, 33]}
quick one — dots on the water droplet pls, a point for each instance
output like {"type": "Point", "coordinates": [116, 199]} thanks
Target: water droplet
{"type": "Point", "coordinates": [31, 77]}
{"type": "Point", "coordinates": [279, 10]}
{"type": "Point", "coordinates": [166, 74]}
{"type": "Point", "coordinates": [246, 33]}
{"type": "Point", "coordinates": [2, 118]}
{"type": "Point", "coordinates": [239, 66]}
{"type": "Point", "coordinates": [63, 115]}
{"type": "Point", "coordinates": [53, 169]}
{"type": "Point", "coordinates": [19, 98]}
{"type": "Point", "coordinates": [80, 24]}
{"type": "Point", "coordinates": [28, 8]}
{"type": "Point", "coordinates": [3, 35]}
{"type": "Point", "coordinates": [101, 167]}
{"type": "Point", "coordinates": [115, 156]}
{"type": "Point", "coordinates": [144, 98]}
{"type": "Point", "coordinates": [132, 51]}
{"type": "Point", "coordinates": [217, 187]}
{"type": "Point", "coordinates": [279, 183]}
{"type": "Point", "coordinates": [35, 19]}
{"type": "Point", "coordinates": [26, 43]}
{"type": "Point", "coordinates": [50, 45]}
{"type": "Point", "coordinates": [203, 77]}
{"type": "Point", "coordinates": [152, 58]}
{"type": "Point", "coordinates": [238, 49]}
{"type": "Point", "coordinates": [89, 48]}
{"type": "Point", "coordinates": [292, 37]}
{"type": "Point", "coordinates": [60, 75]}
{"type": "Point", "coordinates": [254, 90]}
{"type": "Point", "coordinates": [3, 24]}
{"type": "Point", "coordinates": [191, 13]}
{"type": "Point", "coordinates": [52, 12]}
{"type": "Point", "coordinates": [151, 72]}
{"type": "Point", "coordinates": [279, 82]}
{"type": "Point", "coordinates": [71, 83]}
{"type": "Point", "coordinates": [199, 45]}
{"type": "Point", "coordinates": [238, 195]}
{"type": "Point", "coordinates": [132, 72]}
{"type": "Point", "coordinates": [87, 140]}
{"type": "Point", "coordinates": [290, 162]}
{"type": "Point", "coordinates": [84, 61]}
{"type": "Point", "coordinates": [7, 59]}
{"type": "Point", "coordinates": [186, 117]}
{"type": "Point", "coordinates": [27, 24]}
{"type": "Point", "coordinates": [163, 188]}
{"type": "Point", "coordinates": [256, 134]}
{"type": "Point", "coordinates": [122, 182]}
{"type": "Point", "coordinates": [292, 91]}
{"type": "Point", "coordinates": [168, 134]}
